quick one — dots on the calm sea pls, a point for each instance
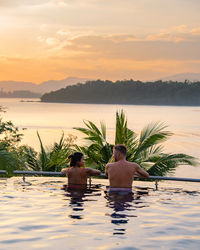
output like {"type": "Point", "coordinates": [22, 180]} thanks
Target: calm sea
{"type": "Point", "coordinates": [40, 214]}
{"type": "Point", "coordinates": [50, 119]}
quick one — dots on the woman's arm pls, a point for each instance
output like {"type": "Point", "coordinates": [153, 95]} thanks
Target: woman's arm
{"type": "Point", "coordinates": [92, 171]}
{"type": "Point", "coordinates": [64, 171]}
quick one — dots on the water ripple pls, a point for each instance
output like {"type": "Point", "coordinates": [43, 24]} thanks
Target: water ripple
{"type": "Point", "coordinates": [46, 216]}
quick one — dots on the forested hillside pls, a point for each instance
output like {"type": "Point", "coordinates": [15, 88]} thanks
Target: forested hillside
{"type": "Point", "coordinates": [128, 92]}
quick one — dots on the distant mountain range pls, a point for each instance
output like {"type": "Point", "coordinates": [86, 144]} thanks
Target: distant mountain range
{"type": "Point", "coordinates": [41, 88]}
{"type": "Point", "coordinates": [53, 85]}
{"type": "Point", "coordinates": [193, 77]}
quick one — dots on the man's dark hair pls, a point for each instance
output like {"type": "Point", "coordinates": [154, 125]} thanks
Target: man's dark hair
{"type": "Point", "coordinates": [121, 148]}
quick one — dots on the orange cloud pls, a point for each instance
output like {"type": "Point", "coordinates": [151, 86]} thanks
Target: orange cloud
{"type": "Point", "coordinates": [63, 53]}
{"type": "Point", "coordinates": [195, 31]}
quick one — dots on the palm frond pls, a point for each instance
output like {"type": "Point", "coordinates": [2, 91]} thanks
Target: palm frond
{"type": "Point", "coordinates": [151, 135]}
{"type": "Point", "coordinates": [93, 127]}
{"type": "Point", "coordinates": [31, 160]}
{"type": "Point", "coordinates": [124, 135]}
{"type": "Point", "coordinates": [146, 149]}
{"type": "Point", "coordinates": [103, 130]}
{"type": "Point", "coordinates": [59, 145]}
{"type": "Point", "coordinates": [167, 163]}
{"type": "Point", "coordinates": [93, 133]}
{"type": "Point", "coordinates": [43, 155]}
{"type": "Point", "coordinates": [121, 128]}
{"type": "Point", "coordinates": [153, 128]}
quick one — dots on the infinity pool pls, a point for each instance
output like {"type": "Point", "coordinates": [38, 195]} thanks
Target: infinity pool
{"type": "Point", "coordinates": [41, 214]}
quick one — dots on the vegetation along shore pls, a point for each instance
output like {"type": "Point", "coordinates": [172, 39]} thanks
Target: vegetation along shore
{"type": "Point", "coordinates": [129, 92]}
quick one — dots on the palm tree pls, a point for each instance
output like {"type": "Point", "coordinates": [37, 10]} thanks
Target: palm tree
{"type": "Point", "coordinates": [145, 149]}
{"type": "Point", "coordinates": [99, 152]}
{"type": "Point", "coordinates": [50, 159]}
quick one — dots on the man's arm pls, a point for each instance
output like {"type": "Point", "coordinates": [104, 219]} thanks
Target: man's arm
{"type": "Point", "coordinates": [140, 172]}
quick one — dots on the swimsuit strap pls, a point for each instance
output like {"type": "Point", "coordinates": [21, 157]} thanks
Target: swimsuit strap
{"type": "Point", "coordinates": [68, 171]}
{"type": "Point", "coordinates": [82, 173]}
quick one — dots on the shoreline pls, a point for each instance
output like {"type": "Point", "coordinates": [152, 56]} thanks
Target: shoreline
{"type": "Point", "coordinates": [130, 104]}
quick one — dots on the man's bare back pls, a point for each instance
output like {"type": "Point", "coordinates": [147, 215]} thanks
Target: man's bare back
{"type": "Point", "coordinates": [121, 172]}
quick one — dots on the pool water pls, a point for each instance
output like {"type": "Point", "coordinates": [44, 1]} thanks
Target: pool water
{"type": "Point", "coordinates": [42, 214]}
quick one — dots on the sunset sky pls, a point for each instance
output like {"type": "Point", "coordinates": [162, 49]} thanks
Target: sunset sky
{"type": "Point", "coordinates": [107, 39]}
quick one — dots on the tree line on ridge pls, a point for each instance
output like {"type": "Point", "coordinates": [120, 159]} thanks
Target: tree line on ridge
{"type": "Point", "coordinates": [128, 92]}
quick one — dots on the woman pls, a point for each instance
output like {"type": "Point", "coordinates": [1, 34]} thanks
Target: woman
{"type": "Point", "coordinates": [77, 174]}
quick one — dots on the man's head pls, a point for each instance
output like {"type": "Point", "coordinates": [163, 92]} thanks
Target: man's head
{"type": "Point", "coordinates": [119, 152]}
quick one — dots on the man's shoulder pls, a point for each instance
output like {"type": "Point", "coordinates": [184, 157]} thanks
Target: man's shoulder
{"type": "Point", "coordinates": [132, 164]}
{"type": "Point", "coordinates": [110, 164]}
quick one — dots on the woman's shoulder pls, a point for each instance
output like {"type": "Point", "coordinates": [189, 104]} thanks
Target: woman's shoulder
{"type": "Point", "coordinates": [64, 170]}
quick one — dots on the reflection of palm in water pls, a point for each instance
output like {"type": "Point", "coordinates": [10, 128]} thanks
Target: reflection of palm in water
{"type": "Point", "coordinates": [78, 197]}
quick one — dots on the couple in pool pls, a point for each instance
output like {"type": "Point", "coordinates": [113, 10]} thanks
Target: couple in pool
{"type": "Point", "coordinates": [120, 173]}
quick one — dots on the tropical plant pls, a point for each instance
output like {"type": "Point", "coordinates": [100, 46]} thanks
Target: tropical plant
{"type": "Point", "coordinates": [52, 158]}
{"type": "Point", "coordinates": [9, 139]}
{"type": "Point", "coordinates": [145, 149]}
{"type": "Point", "coordinates": [9, 133]}
{"type": "Point", "coordinates": [99, 152]}
{"type": "Point", "coordinates": [8, 162]}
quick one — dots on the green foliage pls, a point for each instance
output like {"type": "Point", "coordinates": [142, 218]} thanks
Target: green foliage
{"type": "Point", "coordinates": [145, 149]}
{"type": "Point", "coordinates": [167, 163]}
{"type": "Point", "coordinates": [123, 135]}
{"type": "Point", "coordinates": [9, 139]}
{"type": "Point", "coordinates": [15, 157]}
{"type": "Point", "coordinates": [26, 157]}
{"type": "Point", "coordinates": [48, 159]}
{"type": "Point", "coordinates": [9, 133]}
{"type": "Point", "coordinates": [8, 162]}
{"type": "Point", "coordinates": [99, 152]}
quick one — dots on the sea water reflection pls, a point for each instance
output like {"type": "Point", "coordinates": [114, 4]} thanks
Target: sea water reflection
{"type": "Point", "coordinates": [124, 205]}
{"type": "Point", "coordinates": [120, 203]}
{"type": "Point", "coordinates": [43, 215]}
{"type": "Point", "coordinates": [77, 197]}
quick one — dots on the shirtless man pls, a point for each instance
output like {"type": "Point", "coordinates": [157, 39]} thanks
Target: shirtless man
{"type": "Point", "coordinates": [121, 172]}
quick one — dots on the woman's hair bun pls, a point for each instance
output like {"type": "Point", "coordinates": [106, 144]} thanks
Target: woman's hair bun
{"type": "Point", "coordinates": [70, 156]}
{"type": "Point", "coordinates": [74, 158]}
